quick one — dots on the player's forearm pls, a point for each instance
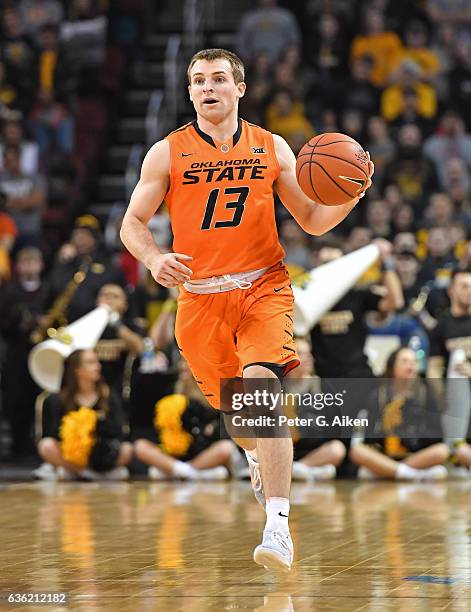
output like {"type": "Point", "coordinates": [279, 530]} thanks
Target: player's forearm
{"type": "Point", "coordinates": [138, 240]}
{"type": "Point", "coordinates": [324, 218]}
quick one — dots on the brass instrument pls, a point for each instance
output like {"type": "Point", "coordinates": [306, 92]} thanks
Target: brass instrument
{"type": "Point", "coordinates": [417, 307]}
{"type": "Point", "coordinates": [56, 313]}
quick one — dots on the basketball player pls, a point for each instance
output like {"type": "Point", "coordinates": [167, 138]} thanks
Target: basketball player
{"type": "Point", "coordinates": [235, 308]}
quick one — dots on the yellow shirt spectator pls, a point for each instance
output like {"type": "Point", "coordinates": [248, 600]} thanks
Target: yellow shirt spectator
{"type": "Point", "coordinates": [286, 118]}
{"type": "Point", "coordinates": [392, 101]}
{"type": "Point", "coordinates": [385, 48]}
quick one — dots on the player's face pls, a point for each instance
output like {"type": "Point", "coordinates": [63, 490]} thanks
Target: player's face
{"type": "Point", "coordinates": [406, 365]}
{"type": "Point", "coordinates": [213, 91]}
{"type": "Point", "coordinates": [460, 290]}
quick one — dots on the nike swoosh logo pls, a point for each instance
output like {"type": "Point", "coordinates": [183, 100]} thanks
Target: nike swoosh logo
{"type": "Point", "coordinates": [284, 515]}
{"type": "Point", "coordinates": [358, 182]}
{"type": "Point", "coordinates": [279, 289]}
{"type": "Point", "coordinates": [186, 154]}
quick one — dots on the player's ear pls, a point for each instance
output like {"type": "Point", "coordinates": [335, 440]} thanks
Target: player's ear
{"type": "Point", "coordinates": [241, 89]}
{"type": "Point", "coordinates": [189, 92]}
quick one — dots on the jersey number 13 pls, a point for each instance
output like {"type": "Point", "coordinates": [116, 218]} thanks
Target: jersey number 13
{"type": "Point", "coordinates": [237, 205]}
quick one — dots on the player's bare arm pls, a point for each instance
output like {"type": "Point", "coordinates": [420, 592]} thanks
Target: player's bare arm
{"type": "Point", "coordinates": [147, 196]}
{"type": "Point", "coordinates": [314, 218]}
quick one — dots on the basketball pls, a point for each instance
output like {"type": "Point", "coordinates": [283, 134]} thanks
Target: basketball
{"type": "Point", "coordinates": [332, 169]}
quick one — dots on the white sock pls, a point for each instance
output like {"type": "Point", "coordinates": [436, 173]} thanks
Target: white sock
{"type": "Point", "coordinates": [300, 470]}
{"type": "Point", "coordinates": [183, 470]}
{"type": "Point", "coordinates": [405, 472]}
{"type": "Point", "coordinates": [277, 510]}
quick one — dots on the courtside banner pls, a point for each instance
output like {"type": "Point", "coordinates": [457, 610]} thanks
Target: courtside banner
{"type": "Point", "coordinates": [360, 408]}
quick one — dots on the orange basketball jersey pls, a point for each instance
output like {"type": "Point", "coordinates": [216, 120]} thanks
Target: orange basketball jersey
{"type": "Point", "coordinates": [221, 202]}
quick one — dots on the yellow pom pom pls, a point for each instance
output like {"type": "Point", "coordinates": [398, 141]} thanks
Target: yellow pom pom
{"type": "Point", "coordinates": [168, 411]}
{"type": "Point", "coordinates": [174, 440]}
{"type": "Point", "coordinates": [77, 435]}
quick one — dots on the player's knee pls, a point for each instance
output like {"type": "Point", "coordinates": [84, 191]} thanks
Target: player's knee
{"type": "Point", "coordinates": [258, 371]}
{"type": "Point", "coordinates": [337, 451]}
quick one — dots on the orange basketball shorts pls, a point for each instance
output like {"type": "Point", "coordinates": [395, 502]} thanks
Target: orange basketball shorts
{"type": "Point", "coordinates": [220, 334]}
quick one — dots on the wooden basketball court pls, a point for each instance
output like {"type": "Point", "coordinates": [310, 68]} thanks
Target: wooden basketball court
{"type": "Point", "coordinates": [188, 547]}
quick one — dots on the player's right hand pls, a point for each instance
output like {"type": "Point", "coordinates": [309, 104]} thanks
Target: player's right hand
{"type": "Point", "coordinates": [168, 271]}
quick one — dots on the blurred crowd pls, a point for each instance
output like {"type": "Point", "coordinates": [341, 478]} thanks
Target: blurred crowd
{"type": "Point", "coordinates": [395, 76]}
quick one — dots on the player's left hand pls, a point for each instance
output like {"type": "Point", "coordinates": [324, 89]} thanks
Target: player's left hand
{"type": "Point", "coordinates": [371, 171]}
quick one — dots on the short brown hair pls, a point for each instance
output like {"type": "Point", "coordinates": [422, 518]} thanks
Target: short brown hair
{"type": "Point", "coordinates": [213, 54]}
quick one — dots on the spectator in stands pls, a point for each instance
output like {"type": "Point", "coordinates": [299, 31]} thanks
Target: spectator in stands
{"type": "Point", "coordinates": [338, 339]}
{"type": "Point", "coordinates": [407, 268]}
{"type": "Point", "coordinates": [315, 458]}
{"type": "Point", "coordinates": [383, 46]}
{"type": "Point", "coordinates": [457, 176]}
{"type": "Point", "coordinates": [457, 13]}
{"type": "Point", "coordinates": [378, 216]}
{"type": "Point", "coordinates": [284, 78]}
{"type": "Point", "coordinates": [451, 140]}
{"type": "Point", "coordinates": [329, 121]}
{"type": "Point", "coordinates": [403, 219]}
{"type": "Point", "coordinates": [286, 118]}
{"type": "Point", "coordinates": [51, 125]}
{"type": "Point", "coordinates": [267, 29]}
{"type": "Point", "coordinates": [453, 333]}
{"type": "Point", "coordinates": [83, 426]}
{"type": "Point", "coordinates": [9, 98]}
{"type": "Point", "coordinates": [260, 77]}
{"type": "Point", "coordinates": [86, 264]}
{"type": "Point", "coordinates": [410, 170]}
{"type": "Point", "coordinates": [83, 36]}
{"type": "Point", "coordinates": [188, 435]}
{"type": "Point", "coordinates": [8, 234]}
{"type": "Point", "coordinates": [121, 339]}
{"type": "Point", "coordinates": [358, 91]}
{"type": "Point", "coordinates": [379, 145]}
{"type": "Point", "coordinates": [460, 81]}
{"type": "Point", "coordinates": [353, 123]}
{"type": "Point", "coordinates": [440, 211]}
{"type": "Point", "coordinates": [13, 134]}
{"type": "Point", "coordinates": [411, 114]}
{"type": "Point", "coordinates": [22, 304]}
{"type": "Point", "coordinates": [407, 80]}
{"type": "Point", "coordinates": [440, 261]}
{"type": "Point", "coordinates": [36, 13]}
{"type": "Point", "coordinates": [296, 245]}
{"type": "Point", "coordinates": [404, 441]}
{"type": "Point", "coordinates": [25, 197]}
{"type": "Point", "coordinates": [417, 49]}
{"type": "Point", "coordinates": [53, 74]}
{"type": "Point", "coordinates": [327, 55]}
{"type": "Point", "coordinates": [148, 299]}
{"type": "Point", "coordinates": [359, 237]}
{"type": "Point", "coordinates": [18, 54]}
